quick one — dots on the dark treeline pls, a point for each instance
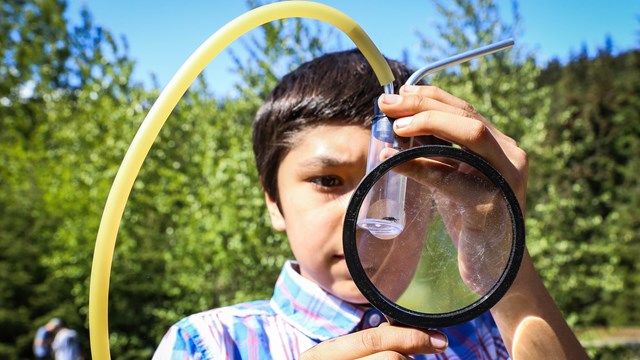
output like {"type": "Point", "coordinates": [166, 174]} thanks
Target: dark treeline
{"type": "Point", "coordinates": [195, 234]}
{"type": "Point", "coordinates": [592, 155]}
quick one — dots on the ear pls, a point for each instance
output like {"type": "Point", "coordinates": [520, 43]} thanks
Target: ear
{"type": "Point", "coordinates": [277, 219]}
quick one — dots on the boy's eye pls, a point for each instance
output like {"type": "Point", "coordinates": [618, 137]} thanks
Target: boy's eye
{"type": "Point", "coordinates": [326, 181]}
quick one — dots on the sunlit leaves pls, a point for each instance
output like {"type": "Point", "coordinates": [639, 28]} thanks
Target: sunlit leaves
{"type": "Point", "coordinates": [195, 234]}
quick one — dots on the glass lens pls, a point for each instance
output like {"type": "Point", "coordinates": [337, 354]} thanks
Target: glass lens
{"type": "Point", "coordinates": [456, 242]}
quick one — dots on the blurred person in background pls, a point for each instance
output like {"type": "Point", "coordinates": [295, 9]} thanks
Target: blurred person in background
{"type": "Point", "coordinates": [42, 343]}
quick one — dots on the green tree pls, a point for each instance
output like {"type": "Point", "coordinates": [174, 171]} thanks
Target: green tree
{"type": "Point", "coordinates": [501, 86]}
{"type": "Point", "coordinates": [53, 176]}
{"type": "Point", "coordinates": [589, 245]}
{"type": "Point", "coordinates": [276, 49]}
{"type": "Point", "coordinates": [33, 48]}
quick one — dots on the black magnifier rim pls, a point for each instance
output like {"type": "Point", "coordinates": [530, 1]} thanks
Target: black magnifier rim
{"type": "Point", "coordinates": [406, 316]}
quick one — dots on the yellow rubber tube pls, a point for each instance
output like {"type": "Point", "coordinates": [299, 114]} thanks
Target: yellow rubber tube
{"type": "Point", "coordinates": [158, 114]}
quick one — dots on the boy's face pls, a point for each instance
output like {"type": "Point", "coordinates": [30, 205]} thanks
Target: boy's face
{"type": "Point", "coordinates": [315, 182]}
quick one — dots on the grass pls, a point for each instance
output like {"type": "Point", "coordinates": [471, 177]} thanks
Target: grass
{"type": "Point", "coordinates": [611, 343]}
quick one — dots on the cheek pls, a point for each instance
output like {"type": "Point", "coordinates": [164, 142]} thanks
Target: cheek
{"type": "Point", "coordinates": [315, 223]}
{"type": "Point", "coordinates": [297, 207]}
{"type": "Point", "coordinates": [306, 204]}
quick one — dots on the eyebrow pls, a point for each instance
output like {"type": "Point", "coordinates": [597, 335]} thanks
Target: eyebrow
{"type": "Point", "coordinates": [325, 161]}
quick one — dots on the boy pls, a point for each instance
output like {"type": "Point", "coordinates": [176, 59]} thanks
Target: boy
{"type": "Point", "coordinates": [311, 138]}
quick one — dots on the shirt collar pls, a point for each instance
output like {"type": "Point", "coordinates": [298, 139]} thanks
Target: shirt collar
{"type": "Point", "coordinates": [310, 309]}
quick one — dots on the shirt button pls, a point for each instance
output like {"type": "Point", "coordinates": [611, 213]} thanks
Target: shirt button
{"type": "Point", "coordinates": [372, 318]}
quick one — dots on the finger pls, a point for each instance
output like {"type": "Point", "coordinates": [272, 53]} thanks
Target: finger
{"type": "Point", "coordinates": [501, 152]}
{"type": "Point", "coordinates": [469, 133]}
{"type": "Point", "coordinates": [423, 98]}
{"type": "Point", "coordinates": [380, 339]}
{"type": "Point", "coordinates": [431, 98]}
{"type": "Point", "coordinates": [451, 177]}
{"type": "Point", "coordinates": [478, 134]}
{"type": "Point", "coordinates": [468, 189]}
{"type": "Point", "coordinates": [386, 355]}
{"type": "Point", "coordinates": [462, 107]}
{"type": "Point", "coordinates": [436, 93]}
{"type": "Point", "coordinates": [396, 106]}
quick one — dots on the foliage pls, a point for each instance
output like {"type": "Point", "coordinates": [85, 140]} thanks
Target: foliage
{"type": "Point", "coordinates": [40, 83]}
{"type": "Point", "coordinates": [280, 47]}
{"type": "Point", "coordinates": [195, 234]}
{"type": "Point", "coordinates": [614, 352]}
{"type": "Point", "coordinates": [501, 86]}
{"type": "Point", "coordinates": [588, 202]}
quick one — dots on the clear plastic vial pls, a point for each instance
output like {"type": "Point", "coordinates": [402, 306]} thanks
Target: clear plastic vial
{"type": "Point", "coordinates": [382, 212]}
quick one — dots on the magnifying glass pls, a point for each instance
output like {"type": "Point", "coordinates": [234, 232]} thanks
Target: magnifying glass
{"type": "Point", "coordinates": [433, 236]}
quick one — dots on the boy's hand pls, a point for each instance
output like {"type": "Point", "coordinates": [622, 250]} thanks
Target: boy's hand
{"type": "Point", "coordinates": [427, 110]}
{"type": "Point", "coordinates": [384, 342]}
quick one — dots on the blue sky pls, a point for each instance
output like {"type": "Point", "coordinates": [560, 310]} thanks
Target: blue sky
{"type": "Point", "coordinates": [163, 33]}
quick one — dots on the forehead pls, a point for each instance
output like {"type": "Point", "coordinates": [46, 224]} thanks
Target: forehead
{"type": "Point", "coordinates": [333, 140]}
{"type": "Point", "coordinates": [327, 134]}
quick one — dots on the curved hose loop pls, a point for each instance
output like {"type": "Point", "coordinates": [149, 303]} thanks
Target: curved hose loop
{"type": "Point", "coordinates": [158, 114]}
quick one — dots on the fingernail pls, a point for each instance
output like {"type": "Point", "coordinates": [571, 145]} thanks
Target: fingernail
{"type": "Point", "coordinates": [387, 153]}
{"type": "Point", "coordinates": [409, 88]}
{"type": "Point", "coordinates": [402, 122]}
{"type": "Point", "coordinates": [439, 341]}
{"type": "Point", "coordinates": [391, 99]}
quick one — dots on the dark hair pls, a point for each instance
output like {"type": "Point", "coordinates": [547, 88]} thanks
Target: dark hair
{"type": "Point", "coordinates": [336, 88]}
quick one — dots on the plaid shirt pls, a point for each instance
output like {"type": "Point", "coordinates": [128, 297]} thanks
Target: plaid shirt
{"type": "Point", "coordinates": [300, 315]}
